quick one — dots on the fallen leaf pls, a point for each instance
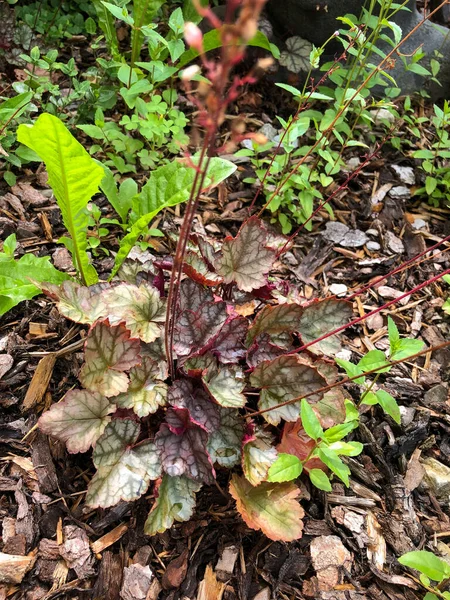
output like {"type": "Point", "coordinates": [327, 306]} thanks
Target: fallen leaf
{"type": "Point", "coordinates": [175, 572]}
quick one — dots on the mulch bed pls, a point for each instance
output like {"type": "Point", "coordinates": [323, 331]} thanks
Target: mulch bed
{"type": "Point", "coordinates": [61, 549]}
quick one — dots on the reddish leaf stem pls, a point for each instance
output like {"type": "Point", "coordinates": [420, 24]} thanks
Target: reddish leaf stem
{"type": "Point", "coordinates": [326, 388]}
{"type": "Point", "coordinates": [336, 191]}
{"type": "Point", "coordinates": [372, 312]}
{"type": "Point", "coordinates": [327, 133]}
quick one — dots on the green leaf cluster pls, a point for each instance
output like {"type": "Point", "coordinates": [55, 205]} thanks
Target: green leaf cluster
{"type": "Point", "coordinates": [18, 277]}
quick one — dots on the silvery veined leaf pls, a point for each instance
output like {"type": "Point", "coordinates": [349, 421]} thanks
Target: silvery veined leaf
{"type": "Point", "coordinates": [225, 444]}
{"type": "Point", "coordinates": [78, 420]}
{"type": "Point", "coordinates": [146, 392]}
{"type": "Point", "coordinates": [140, 308]}
{"type": "Point", "coordinates": [283, 379]}
{"type": "Point", "coordinates": [296, 56]}
{"type": "Point", "coordinates": [175, 502]}
{"type": "Point", "coordinates": [195, 327]}
{"type": "Point", "coordinates": [226, 385]}
{"type": "Point", "coordinates": [109, 352]}
{"type": "Point", "coordinates": [246, 259]}
{"type": "Point", "coordinates": [258, 455]}
{"type": "Point", "coordinates": [124, 470]}
{"type": "Point", "coordinates": [202, 411]}
{"type": "Point", "coordinates": [182, 447]}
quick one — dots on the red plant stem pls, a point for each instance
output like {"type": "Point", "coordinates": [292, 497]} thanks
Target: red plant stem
{"type": "Point", "coordinates": [395, 271]}
{"type": "Point", "coordinates": [399, 269]}
{"type": "Point", "coordinates": [301, 108]}
{"type": "Point", "coordinates": [372, 312]}
{"type": "Point", "coordinates": [177, 269]}
{"type": "Point", "coordinates": [336, 191]}
{"type": "Point", "coordinates": [327, 133]}
{"type": "Point", "coordinates": [211, 115]}
{"type": "Point", "coordinates": [349, 379]}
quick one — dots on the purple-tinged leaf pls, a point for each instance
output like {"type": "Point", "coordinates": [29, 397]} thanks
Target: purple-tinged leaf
{"type": "Point", "coordinates": [78, 420]}
{"type": "Point", "coordinates": [146, 392]}
{"type": "Point", "coordinates": [262, 349]}
{"type": "Point", "coordinates": [109, 352]}
{"type": "Point", "coordinates": [193, 330]}
{"type": "Point", "coordinates": [326, 369]}
{"type": "Point", "coordinates": [229, 345]}
{"type": "Point", "coordinates": [196, 269]}
{"type": "Point", "coordinates": [178, 420]}
{"type": "Point", "coordinates": [271, 507]}
{"type": "Point", "coordinates": [76, 302]}
{"type": "Point", "coordinates": [283, 379]}
{"type": "Point", "coordinates": [321, 317]}
{"type": "Point", "coordinates": [225, 444]}
{"type": "Point", "coordinates": [184, 453]}
{"type": "Point", "coordinates": [124, 470]}
{"type": "Point", "coordinates": [140, 308]}
{"type": "Point", "coordinates": [207, 250]}
{"type": "Point", "coordinates": [157, 353]}
{"type": "Point", "coordinates": [175, 502]}
{"type": "Point", "coordinates": [331, 409]}
{"type": "Point", "coordinates": [226, 386]}
{"type": "Point", "coordinates": [202, 410]}
{"type": "Point", "coordinates": [245, 259]}
{"type": "Point", "coordinates": [196, 365]}
{"type": "Point", "coordinates": [275, 319]}
{"type": "Point", "coordinates": [258, 455]}
{"type": "Point", "coordinates": [193, 296]}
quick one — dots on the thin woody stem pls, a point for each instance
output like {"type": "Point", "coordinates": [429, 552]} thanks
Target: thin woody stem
{"type": "Point", "coordinates": [371, 313]}
{"type": "Point", "coordinates": [300, 109]}
{"type": "Point", "coordinates": [326, 388]}
{"type": "Point", "coordinates": [358, 292]}
{"type": "Point", "coordinates": [175, 278]}
{"type": "Point", "coordinates": [336, 191]}
{"type": "Point", "coordinates": [327, 133]}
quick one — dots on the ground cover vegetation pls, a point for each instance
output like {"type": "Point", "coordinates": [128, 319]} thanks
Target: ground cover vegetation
{"type": "Point", "coordinates": [202, 365]}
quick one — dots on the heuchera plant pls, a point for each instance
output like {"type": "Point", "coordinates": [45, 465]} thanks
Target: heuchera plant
{"type": "Point", "coordinates": [221, 367]}
{"type": "Point", "coordinates": [178, 432]}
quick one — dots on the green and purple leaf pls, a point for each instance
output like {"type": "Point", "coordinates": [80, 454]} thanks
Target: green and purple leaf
{"type": "Point", "coordinates": [124, 470]}
{"type": "Point", "coordinates": [140, 308]}
{"type": "Point", "coordinates": [78, 420]}
{"type": "Point", "coordinates": [225, 444]}
{"type": "Point", "coordinates": [277, 319]}
{"type": "Point", "coordinates": [77, 302]}
{"type": "Point", "coordinates": [281, 380]}
{"type": "Point", "coordinates": [182, 447]}
{"type": "Point", "coordinates": [194, 329]}
{"type": "Point", "coordinates": [246, 259]}
{"type": "Point", "coordinates": [109, 352]}
{"type": "Point", "coordinates": [146, 391]}
{"type": "Point", "coordinates": [321, 317]}
{"type": "Point", "coordinates": [262, 350]}
{"type": "Point", "coordinates": [202, 410]}
{"type": "Point", "coordinates": [228, 345]}
{"type": "Point", "coordinates": [226, 385]}
{"type": "Point", "coordinates": [175, 502]}
{"type": "Point", "coordinates": [196, 269]}
{"type": "Point", "coordinates": [258, 455]}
